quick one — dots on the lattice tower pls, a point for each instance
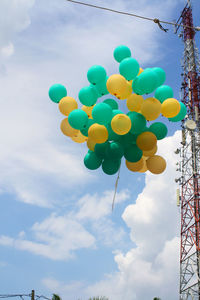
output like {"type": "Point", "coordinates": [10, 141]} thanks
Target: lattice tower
{"type": "Point", "coordinates": [190, 164]}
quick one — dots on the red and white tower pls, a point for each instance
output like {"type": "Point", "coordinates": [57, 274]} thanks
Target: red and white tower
{"type": "Point", "coordinates": [190, 164]}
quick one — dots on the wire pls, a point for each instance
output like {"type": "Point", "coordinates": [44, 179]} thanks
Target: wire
{"type": "Point", "coordinates": [14, 295]}
{"type": "Point", "coordinates": [44, 297]}
{"type": "Point", "coordinates": [109, 9]}
{"type": "Point", "coordinates": [23, 295]}
{"type": "Point", "coordinates": [155, 20]}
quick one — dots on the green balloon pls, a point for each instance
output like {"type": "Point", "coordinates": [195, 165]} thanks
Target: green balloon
{"type": "Point", "coordinates": [138, 122]}
{"type": "Point", "coordinates": [132, 153]}
{"type": "Point", "coordinates": [159, 129]}
{"type": "Point", "coordinates": [121, 52]}
{"type": "Point", "coordinates": [145, 129]}
{"type": "Point", "coordinates": [114, 150]}
{"type": "Point", "coordinates": [135, 86]}
{"type": "Point", "coordinates": [57, 92]}
{"type": "Point", "coordinates": [88, 95]}
{"type": "Point", "coordinates": [112, 136]}
{"type": "Point", "coordinates": [117, 112]}
{"type": "Point", "coordinates": [134, 138]}
{"type": "Point", "coordinates": [147, 70]}
{"type": "Point", "coordinates": [96, 74]}
{"type": "Point", "coordinates": [92, 161]}
{"type": "Point", "coordinates": [164, 92]}
{"type": "Point", "coordinates": [101, 88]}
{"type": "Point", "coordinates": [161, 76]}
{"type": "Point", "coordinates": [111, 166]}
{"type": "Point", "coordinates": [181, 115]}
{"type": "Point", "coordinates": [113, 104]}
{"type": "Point", "coordinates": [102, 113]}
{"type": "Point", "coordinates": [78, 119]}
{"type": "Point", "coordinates": [129, 68]}
{"type": "Point", "coordinates": [147, 82]}
{"type": "Point", "coordinates": [85, 129]}
{"type": "Point", "coordinates": [100, 149]}
{"type": "Point", "coordinates": [127, 139]}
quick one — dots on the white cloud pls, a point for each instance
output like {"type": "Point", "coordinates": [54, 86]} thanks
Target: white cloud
{"type": "Point", "coordinates": [57, 237]}
{"type": "Point", "coordinates": [7, 50]}
{"type": "Point", "coordinates": [96, 210]}
{"type": "Point", "coordinates": [94, 207]}
{"type": "Point", "coordinates": [33, 150]}
{"type": "Point", "coordinates": [151, 268]}
{"type": "Point", "coordinates": [109, 234]}
{"type": "Point", "coordinates": [6, 241]}
{"type": "Point", "coordinates": [138, 278]}
{"type": "Point", "coordinates": [153, 219]}
{"type": "Point", "coordinates": [14, 18]}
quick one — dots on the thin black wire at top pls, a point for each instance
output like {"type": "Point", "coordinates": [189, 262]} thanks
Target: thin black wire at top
{"type": "Point", "coordinates": [155, 20]}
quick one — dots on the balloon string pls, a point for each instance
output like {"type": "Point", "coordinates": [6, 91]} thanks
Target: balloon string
{"type": "Point", "coordinates": [116, 185]}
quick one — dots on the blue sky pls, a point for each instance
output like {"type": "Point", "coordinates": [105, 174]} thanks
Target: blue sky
{"type": "Point", "coordinates": [58, 233]}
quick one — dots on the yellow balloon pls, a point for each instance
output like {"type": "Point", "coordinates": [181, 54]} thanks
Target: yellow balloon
{"type": "Point", "coordinates": [156, 164]}
{"type": "Point", "coordinates": [134, 102]}
{"type": "Point", "coordinates": [67, 129]}
{"type": "Point", "coordinates": [135, 166]}
{"type": "Point", "coordinates": [127, 92]}
{"type": "Point", "coordinates": [121, 124]}
{"type": "Point", "coordinates": [98, 133]}
{"type": "Point", "coordinates": [88, 110]}
{"type": "Point", "coordinates": [146, 141]}
{"type": "Point", "coordinates": [116, 85]}
{"type": "Point", "coordinates": [91, 144]}
{"type": "Point", "coordinates": [67, 104]}
{"type": "Point", "coordinates": [79, 138]}
{"type": "Point", "coordinates": [144, 168]}
{"type": "Point", "coordinates": [170, 108]}
{"type": "Point", "coordinates": [140, 71]}
{"type": "Point", "coordinates": [145, 157]}
{"type": "Point", "coordinates": [150, 152]}
{"type": "Point", "coordinates": [151, 108]}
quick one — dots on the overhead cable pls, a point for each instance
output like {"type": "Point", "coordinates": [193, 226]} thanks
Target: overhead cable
{"type": "Point", "coordinates": [155, 20]}
{"type": "Point", "coordinates": [14, 295]}
{"type": "Point", "coordinates": [22, 295]}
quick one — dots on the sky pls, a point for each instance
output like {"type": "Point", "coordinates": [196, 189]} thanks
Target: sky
{"type": "Point", "coordinates": [58, 232]}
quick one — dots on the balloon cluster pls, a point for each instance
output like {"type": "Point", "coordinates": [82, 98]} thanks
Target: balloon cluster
{"type": "Point", "coordinates": [110, 133]}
